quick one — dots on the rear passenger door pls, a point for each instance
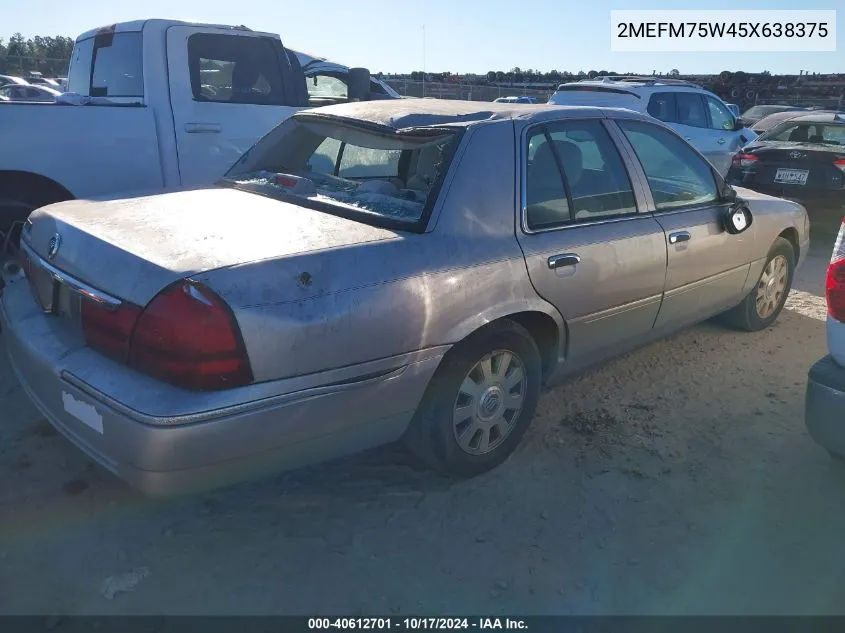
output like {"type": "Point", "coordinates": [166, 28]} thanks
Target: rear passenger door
{"type": "Point", "coordinates": [706, 266]}
{"type": "Point", "coordinates": [590, 247]}
{"type": "Point", "coordinates": [227, 89]}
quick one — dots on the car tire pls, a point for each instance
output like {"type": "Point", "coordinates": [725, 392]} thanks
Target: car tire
{"type": "Point", "coordinates": [450, 427]}
{"type": "Point", "coordinates": [766, 300]}
{"type": "Point", "coordinates": [21, 200]}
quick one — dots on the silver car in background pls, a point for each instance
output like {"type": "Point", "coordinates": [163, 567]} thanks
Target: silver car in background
{"type": "Point", "coordinates": [29, 93]}
{"type": "Point", "coordinates": [377, 271]}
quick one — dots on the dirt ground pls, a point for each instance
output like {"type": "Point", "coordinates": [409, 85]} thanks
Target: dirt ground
{"type": "Point", "coordinates": [677, 480]}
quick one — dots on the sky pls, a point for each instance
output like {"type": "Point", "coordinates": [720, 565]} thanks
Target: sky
{"type": "Point", "coordinates": [459, 36]}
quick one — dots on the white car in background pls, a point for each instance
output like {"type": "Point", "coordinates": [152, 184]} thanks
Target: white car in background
{"type": "Point", "coordinates": [517, 99]}
{"type": "Point", "coordinates": [29, 93]}
{"type": "Point", "coordinates": [697, 114]}
{"type": "Point", "coordinates": [5, 80]}
{"type": "Point", "coordinates": [825, 400]}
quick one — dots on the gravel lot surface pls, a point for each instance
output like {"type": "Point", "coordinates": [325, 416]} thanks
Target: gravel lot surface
{"type": "Point", "coordinates": [678, 479]}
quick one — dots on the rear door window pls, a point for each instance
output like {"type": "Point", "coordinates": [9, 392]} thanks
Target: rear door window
{"type": "Point", "coordinates": [363, 162]}
{"type": "Point", "coordinates": [324, 158]}
{"type": "Point", "coordinates": [235, 69]}
{"type": "Point", "coordinates": [691, 109]}
{"type": "Point", "coordinates": [662, 106]}
{"type": "Point", "coordinates": [594, 183]}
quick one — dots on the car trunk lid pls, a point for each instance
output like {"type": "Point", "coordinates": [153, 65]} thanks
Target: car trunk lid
{"type": "Point", "coordinates": [131, 249]}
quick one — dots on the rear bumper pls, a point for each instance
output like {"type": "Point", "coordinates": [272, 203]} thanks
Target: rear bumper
{"type": "Point", "coordinates": [798, 194]}
{"type": "Point", "coordinates": [825, 405]}
{"type": "Point", "coordinates": [215, 445]}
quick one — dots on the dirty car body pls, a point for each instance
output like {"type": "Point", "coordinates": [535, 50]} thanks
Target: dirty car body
{"type": "Point", "coordinates": [317, 299]}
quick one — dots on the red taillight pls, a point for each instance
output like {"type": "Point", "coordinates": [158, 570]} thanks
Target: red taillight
{"type": "Point", "coordinates": [109, 330]}
{"type": "Point", "coordinates": [839, 164]}
{"type": "Point", "coordinates": [744, 160]}
{"type": "Point", "coordinates": [285, 181]}
{"type": "Point", "coordinates": [187, 336]}
{"type": "Point", "coordinates": [835, 285]}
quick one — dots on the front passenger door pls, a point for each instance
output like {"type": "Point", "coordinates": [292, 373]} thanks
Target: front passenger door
{"type": "Point", "coordinates": [727, 140]}
{"type": "Point", "coordinates": [706, 266]}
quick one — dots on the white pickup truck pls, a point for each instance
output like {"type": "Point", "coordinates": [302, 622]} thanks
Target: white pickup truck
{"type": "Point", "coordinates": [165, 105]}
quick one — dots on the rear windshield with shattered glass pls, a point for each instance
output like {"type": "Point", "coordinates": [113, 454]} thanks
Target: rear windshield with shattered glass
{"type": "Point", "coordinates": [377, 171]}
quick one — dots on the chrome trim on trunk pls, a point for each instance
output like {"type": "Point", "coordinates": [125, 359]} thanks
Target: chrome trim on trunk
{"type": "Point", "coordinates": [99, 297]}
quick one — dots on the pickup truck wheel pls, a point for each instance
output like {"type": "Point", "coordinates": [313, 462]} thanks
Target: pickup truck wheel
{"type": "Point", "coordinates": [479, 403]}
{"type": "Point", "coordinates": [20, 200]}
{"type": "Point", "coordinates": [765, 301]}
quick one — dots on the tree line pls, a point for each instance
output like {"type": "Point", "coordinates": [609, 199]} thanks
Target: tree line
{"type": "Point", "coordinates": [519, 76]}
{"type": "Point", "coordinates": [47, 54]}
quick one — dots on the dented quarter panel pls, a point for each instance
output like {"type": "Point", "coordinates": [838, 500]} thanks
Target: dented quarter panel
{"type": "Point", "coordinates": [771, 218]}
{"type": "Point", "coordinates": [314, 311]}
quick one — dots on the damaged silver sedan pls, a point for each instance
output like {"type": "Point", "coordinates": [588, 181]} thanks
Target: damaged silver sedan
{"type": "Point", "coordinates": [370, 272]}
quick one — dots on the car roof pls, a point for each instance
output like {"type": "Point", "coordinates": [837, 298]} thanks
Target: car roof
{"type": "Point", "coordinates": [13, 79]}
{"type": "Point", "coordinates": [400, 114]}
{"type": "Point", "coordinates": [777, 117]}
{"type": "Point", "coordinates": [134, 26]}
{"type": "Point", "coordinates": [819, 117]}
{"type": "Point", "coordinates": [636, 83]}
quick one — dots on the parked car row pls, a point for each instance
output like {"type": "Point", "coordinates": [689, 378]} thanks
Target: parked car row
{"type": "Point", "coordinates": [34, 88]}
{"type": "Point", "coordinates": [31, 93]}
{"type": "Point", "coordinates": [697, 114]}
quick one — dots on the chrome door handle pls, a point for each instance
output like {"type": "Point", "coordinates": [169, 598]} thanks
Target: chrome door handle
{"type": "Point", "coordinates": [566, 259]}
{"type": "Point", "coordinates": [680, 236]}
{"type": "Point", "coordinates": [202, 128]}
{"type": "Point", "coordinates": [720, 141]}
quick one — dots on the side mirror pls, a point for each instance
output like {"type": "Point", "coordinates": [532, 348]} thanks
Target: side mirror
{"type": "Point", "coordinates": [358, 84]}
{"type": "Point", "coordinates": [738, 125]}
{"type": "Point", "coordinates": [738, 218]}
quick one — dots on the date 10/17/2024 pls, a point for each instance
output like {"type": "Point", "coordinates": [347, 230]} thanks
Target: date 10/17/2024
{"type": "Point", "coordinates": [417, 624]}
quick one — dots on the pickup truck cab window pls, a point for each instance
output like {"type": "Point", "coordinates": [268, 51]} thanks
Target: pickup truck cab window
{"type": "Point", "coordinates": [79, 73]}
{"type": "Point", "coordinates": [235, 69]}
{"type": "Point", "coordinates": [677, 175]}
{"type": "Point", "coordinates": [575, 174]}
{"type": "Point", "coordinates": [117, 66]}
